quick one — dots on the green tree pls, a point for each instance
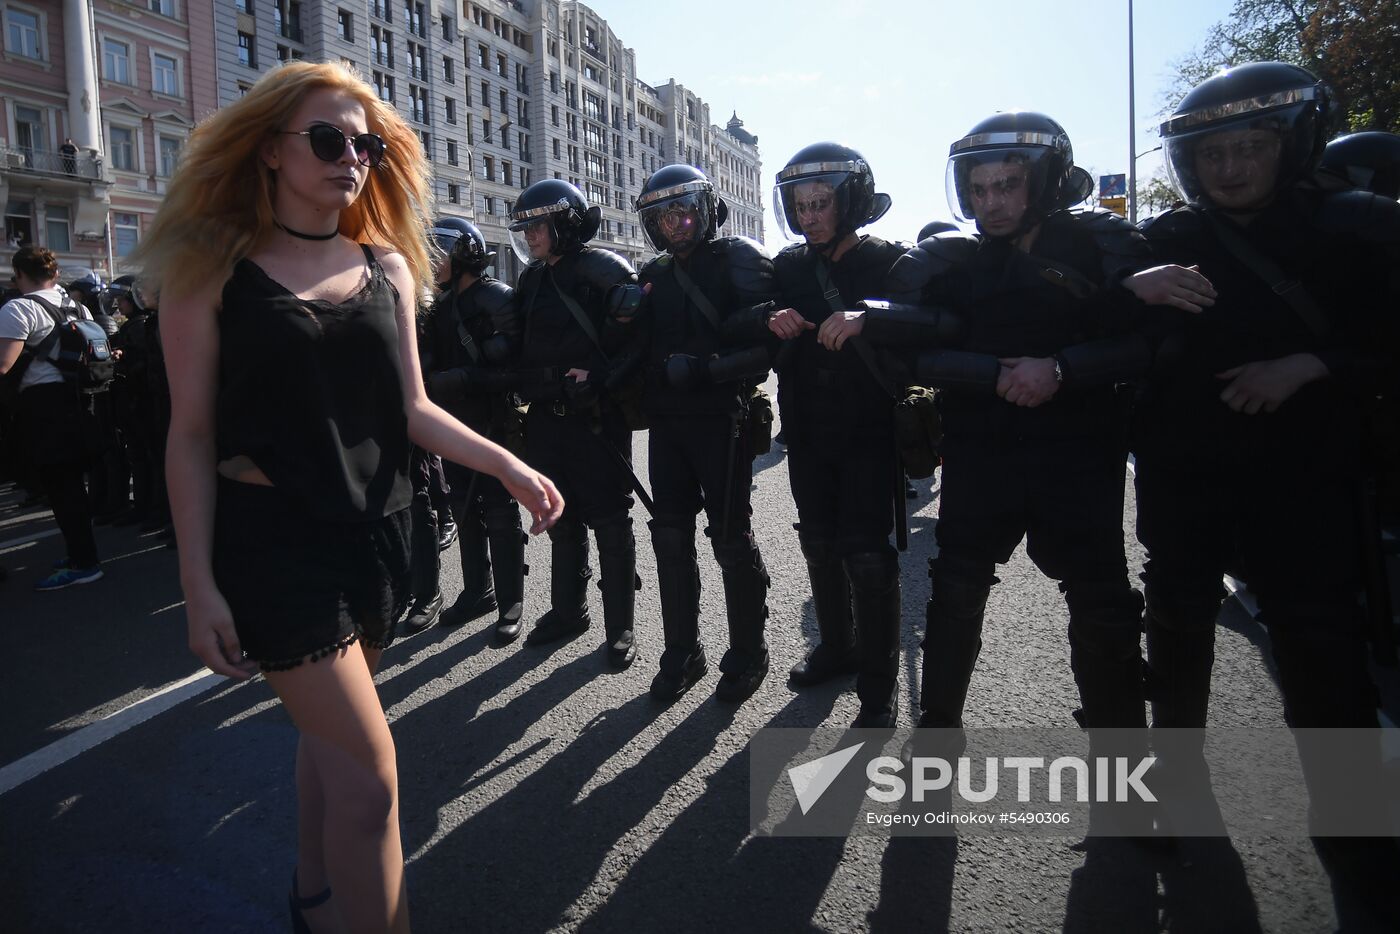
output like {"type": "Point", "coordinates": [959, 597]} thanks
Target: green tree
{"type": "Point", "coordinates": [1354, 45]}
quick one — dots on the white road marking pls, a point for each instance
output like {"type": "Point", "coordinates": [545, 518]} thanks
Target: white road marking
{"type": "Point", "coordinates": [77, 743]}
{"type": "Point", "coordinates": [23, 541]}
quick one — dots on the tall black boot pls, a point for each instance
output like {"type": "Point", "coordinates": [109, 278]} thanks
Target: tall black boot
{"type": "Point", "coordinates": [478, 598]}
{"type": "Point", "coordinates": [745, 578]}
{"type": "Point", "coordinates": [507, 540]}
{"type": "Point", "coordinates": [836, 654]}
{"type": "Point", "coordinates": [617, 567]}
{"type": "Point", "coordinates": [1105, 653]}
{"type": "Point", "coordinates": [1180, 655]}
{"type": "Point", "coordinates": [678, 582]}
{"type": "Point", "coordinates": [875, 599]}
{"type": "Point", "coordinates": [953, 638]}
{"type": "Point", "coordinates": [423, 565]}
{"type": "Point", "coordinates": [568, 585]}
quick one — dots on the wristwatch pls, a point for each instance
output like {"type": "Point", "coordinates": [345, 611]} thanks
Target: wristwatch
{"type": "Point", "coordinates": [1059, 370]}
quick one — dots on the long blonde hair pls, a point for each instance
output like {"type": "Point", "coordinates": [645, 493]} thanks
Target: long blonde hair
{"type": "Point", "coordinates": [218, 205]}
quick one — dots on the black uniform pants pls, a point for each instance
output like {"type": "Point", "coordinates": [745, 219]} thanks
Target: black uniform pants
{"type": "Point", "coordinates": [844, 483]}
{"type": "Point", "coordinates": [1290, 529]}
{"type": "Point", "coordinates": [1065, 498]}
{"type": "Point", "coordinates": [62, 433]}
{"type": "Point", "coordinates": [697, 463]}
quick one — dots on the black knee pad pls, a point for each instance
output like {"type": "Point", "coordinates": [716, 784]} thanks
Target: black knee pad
{"type": "Point", "coordinates": [568, 532]}
{"type": "Point", "coordinates": [503, 518]}
{"type": "Point", "coordinates": [1105, 617]}
{"type": "Point", "coordinates": [1182, 610]}
{"type": "Point", "coordinates": [737, 553]}
{"type": "Point", "coordinates": [673, 539]}
{"type": "Point", "coordinates": [818, 551]}
{"type": "Point", "coordinates": [872, 571]}
{"type": "Point", "coordinates": [615, 532]}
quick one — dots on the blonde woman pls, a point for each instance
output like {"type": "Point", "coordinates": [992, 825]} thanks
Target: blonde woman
{"type": "Point", "coordinates": [288, 255]}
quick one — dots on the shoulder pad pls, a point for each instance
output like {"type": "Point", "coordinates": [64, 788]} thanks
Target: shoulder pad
{"type": "Point", "coordinates": [1111, 233]}
{"type": "Point", "coordinates": [927, 261]}
{"type": "Point", "coordinates": [886, 250]}
{"type": "Point", "coordinates": [1173, 222]}
{"type": "Point", "coordinates": [1360, 214]}
{"type": "Point", "coordinates": [750, 269]}
{"type": "Point", "coordinates": [603, 268]}
{"type": "Point", "coordinates": [492, 295]}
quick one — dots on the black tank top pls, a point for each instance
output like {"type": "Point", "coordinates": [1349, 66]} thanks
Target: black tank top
{"type": "Point", "coordinates": [312, 392]}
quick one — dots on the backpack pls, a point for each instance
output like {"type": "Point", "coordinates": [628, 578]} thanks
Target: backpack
{"type": "Point", "coordinates": [84, 357]}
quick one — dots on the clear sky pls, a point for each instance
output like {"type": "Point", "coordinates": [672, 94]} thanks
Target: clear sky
{"type": "Point", "coordinates": [901, 80]}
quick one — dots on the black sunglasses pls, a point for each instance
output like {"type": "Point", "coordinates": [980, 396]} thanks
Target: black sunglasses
{"type": "Point", "coordinates": [328, 144]}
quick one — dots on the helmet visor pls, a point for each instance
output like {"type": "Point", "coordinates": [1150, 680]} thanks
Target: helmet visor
{"type": "Point", "coordinates": [677, 224]}
{"type": "Point", "coordinates": [533, 239]}
{"type": "Point", "coordinates": [810, 207]}
{"type": "Point", "coordinates": [996, 188]}
{"type": "Point", "coordinates": [1241, 164]}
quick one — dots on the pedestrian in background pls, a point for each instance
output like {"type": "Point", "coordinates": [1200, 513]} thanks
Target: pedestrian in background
{"type": "Point", "coordinates": [288, 254]}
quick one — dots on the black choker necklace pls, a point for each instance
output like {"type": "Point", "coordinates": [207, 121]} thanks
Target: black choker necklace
{"type": "Point", "coordinates": [306, 236]}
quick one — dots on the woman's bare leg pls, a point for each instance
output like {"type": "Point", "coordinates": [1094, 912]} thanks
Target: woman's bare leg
{"type": "Point", "coordinates": [348, 756]}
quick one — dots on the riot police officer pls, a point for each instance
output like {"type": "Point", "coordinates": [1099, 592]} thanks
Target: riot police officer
{"type": "Point", "coordinates": [1269, 399]}
{"type": "Point", "coordinates": [475, 330]}
{"type": "Point", "coordinates": [577, 304]}
{"type": "Point", "coordinates": [706, 310]}
{"type": "Point", "coordinates": [837, 418]}
{"type": "Point", "coordinates": [1037, 322]}
{"type": "Point", "coordinates": [132, 400]}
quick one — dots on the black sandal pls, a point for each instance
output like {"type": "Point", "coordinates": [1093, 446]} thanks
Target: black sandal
{"type": "Point", "coordinates": [296, 904]}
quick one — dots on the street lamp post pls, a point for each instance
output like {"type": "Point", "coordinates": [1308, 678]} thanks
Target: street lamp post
{"type": "Point", "coordinates": [1132, 126]}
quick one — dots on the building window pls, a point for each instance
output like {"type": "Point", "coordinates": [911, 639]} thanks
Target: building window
{"type": "Point", "coordinates": [347, 25]}
{"type": "Point", "coordinates": [448, 70]}
{"type": "Point", "coordinates": [488, 168]}
{"type": "Point", "coordinates": [446, 28]}
{"type": "Point", "coordinates": [505, 102]}
{"type": "Point", "coordinates": [169, 155]}
{"type": "Point", "coordinates": [126, 230]}
{"type": "Point", "coordinates": [486, 94]}
{"type": "Point", "coordinates": [426, 139]}
{"type": "Point", "coordinates": [556, 149]}
{"type": "Point", "coordinates": [554, 114]}
{"type": "Point", "coordinates": [247, 53]}
{"type": "Point", "coordinates": [284, 53]}
{"type": "Point", "coordinates": [116, 61]}
{"type": "Point", "coordinates": [486, 129]}
{"type": "Point", "coordinates": [482, 55]}
{"type": "Point", "coordinates": [244, 6]}
{"type": "Point", "coordinates": [56, 228]}
{"type": "Point", "coordinates": [22, 33]}
{"type": "Point", "coordinates": [165, 75]}
{"type": "Point", "coordinates": [507, 173]}
{"type": "Point", "coordinates": [450, 106]}
{"type": "Point", "coordinates": [488, 204]}
{"type": "Point", "coordinates": [414, 20]}
{"type": "Point", "coordinates": [383, 9]}
{"type": "Point", "coordinates": [163, 7]}
{"type": "Point", "coordinates": [122, 148]}
{"type": "Point", "coordinates": [290, 27]}
{"type": "Point", "coordinates": [418, 99]}
{"type": "Point", "coordinates": [501, 65]}
{"type": "Point", "coordinates": [452, 152]}
{"type": "Point", "coordinates": [453, 193]}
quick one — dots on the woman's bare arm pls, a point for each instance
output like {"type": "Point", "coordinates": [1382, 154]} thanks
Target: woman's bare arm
{"type": "Point", "coordinates": [434, 430]}
{"type": "Point", "coordinates": [190, 335]}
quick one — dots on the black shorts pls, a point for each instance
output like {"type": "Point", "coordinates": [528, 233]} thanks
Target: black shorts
{"type": "Point", "coordinates": [301, 588]}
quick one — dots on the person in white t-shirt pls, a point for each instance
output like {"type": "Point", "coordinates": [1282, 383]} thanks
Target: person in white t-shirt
{"type": "Point", "coordinates": [51, 411]}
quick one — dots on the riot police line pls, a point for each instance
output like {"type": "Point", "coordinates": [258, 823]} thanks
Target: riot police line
{"type": "Point", "coordinates": [1240, 346]}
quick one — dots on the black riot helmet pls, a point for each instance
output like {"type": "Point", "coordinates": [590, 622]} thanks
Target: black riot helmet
{"type": "Point", "coordinates": [461, 241]}
{"type": "Point", "coordinates": [1370, 161]}
{"type": "Point", "coordinates": [121, 286]}
{"type": "Point", "coordinates": [557, 208]}
{"type": "Point", "coordinates": [84, 280]}
{"type": "Point", "coordinates": [1239, 138]}
{"type": "Point", "coordinates": [823, 174]}
{"type": "Point", "coordinates": [1014, 169]}
{"type": "Point", "coordinates": [679, 209]}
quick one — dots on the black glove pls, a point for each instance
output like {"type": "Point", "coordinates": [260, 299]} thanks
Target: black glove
{"type": "Point", "coordinates": [582, 395]}
{"type": "Point", "coordinates": [624, 301]}
{"type": "Point", "coordinates": [686, 372]}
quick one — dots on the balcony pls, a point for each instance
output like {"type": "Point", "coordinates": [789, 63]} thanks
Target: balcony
{"type": "Point", "coordinates": [43, 162]}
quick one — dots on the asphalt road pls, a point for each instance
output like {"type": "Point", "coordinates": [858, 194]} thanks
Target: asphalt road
{"type": "Point", "coordinates": [539, 790]}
